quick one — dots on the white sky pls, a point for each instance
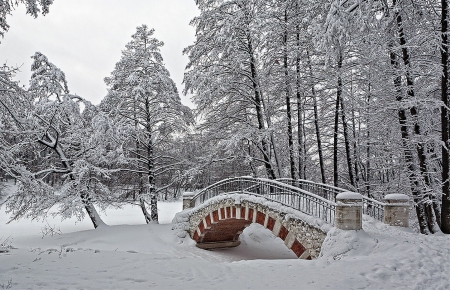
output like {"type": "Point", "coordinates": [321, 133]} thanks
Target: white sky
{"type": "Point", "coordinates": [85, 38]}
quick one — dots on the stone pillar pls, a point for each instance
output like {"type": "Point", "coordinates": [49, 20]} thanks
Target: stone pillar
{"type": "Point", "coordinates": [187, 198]}
{"type": "Point", "coordinates": [396, 210]}
{"type": "Point", "coordinates": [348, 211]}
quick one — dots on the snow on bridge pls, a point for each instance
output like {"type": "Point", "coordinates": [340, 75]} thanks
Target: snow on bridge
{"type": "Point", "coordinates": [300, 212]}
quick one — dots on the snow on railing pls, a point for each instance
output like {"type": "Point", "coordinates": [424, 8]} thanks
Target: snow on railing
{"type": "Point", "coordinates": [286, 194]}
{"type": "Point", "coordinates": [371, 207]}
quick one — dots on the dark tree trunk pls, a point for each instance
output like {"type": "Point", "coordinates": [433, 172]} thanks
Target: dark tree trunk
{"type": "Point", "coordinates": [356, 156]}
{"type": "Point", "coordinates": [368, 151]}
{"type": "Point", "coordinates": [316, 120]}
{"type": "Point", "coordinates": [445, 206]}
{"type": "Point", "coordinates": [151, 168]}
{"type": "Point", "coordinates": [93, 215]}
{"type": "Point", "coordinates": [288, 101]}
{"type": "Point", "coordinates": [147, 216]}
{"type": "Point", "coordinates": [411, 164]}
{"type": "Point", "coordinates": [300, 127]}
{"type": "Point", "coordinates": [424, 199]}
{"type": "Point", "coordinates": [259, 112]}
{"type": "Point", "coordinates": [345, 124]}
{"type": "Point", "coordinates": [300, 123]}
{"type": "Point", "coordinates": [335, 144]}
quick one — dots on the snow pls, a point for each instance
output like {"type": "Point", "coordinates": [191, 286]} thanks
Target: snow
{"type": "Point", "coordinates": [189, 194]}
{"type": "Point", "coordinates": [138, 256]}
{"type": "Point", "coordinates": [396, 196]}
{"type": "Point", "coordinates": [349, 195]}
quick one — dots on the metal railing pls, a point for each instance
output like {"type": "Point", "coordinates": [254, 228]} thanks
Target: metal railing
{"type": "Point", "coordinates": [371, 207]}
{"type": "Point", "coordinates": [324, 190]}
{"type": "Point", "coordinates": [285, 194]}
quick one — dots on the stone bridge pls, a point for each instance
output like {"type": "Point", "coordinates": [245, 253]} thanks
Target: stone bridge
{"type": "Point", "coordinates": [299, 212]}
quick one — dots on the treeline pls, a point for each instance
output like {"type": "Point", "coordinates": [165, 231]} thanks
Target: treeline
{"type": "Point", "coordinates": [352, 93]}
{"type": "Point", "coordinates": [346, 92]}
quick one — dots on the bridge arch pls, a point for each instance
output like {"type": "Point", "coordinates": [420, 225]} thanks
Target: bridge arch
{"type": "Point", "coordinates": [220, 221]}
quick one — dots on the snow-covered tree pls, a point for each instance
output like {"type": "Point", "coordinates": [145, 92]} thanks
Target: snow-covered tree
{"type": "Point", "coordinates": [143, 97]}
{"type": "Point", "coordinates": [52, 146]}
{"type": "Point", "coordinates": [34, 7]}
{"type": "Point", "coordinates": [224, 75]}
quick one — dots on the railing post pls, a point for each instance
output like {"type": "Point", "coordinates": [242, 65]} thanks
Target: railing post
{"type": "Point", "coordinates": [348, 211]}
{"type": "Point", "coordinates": [396, 210]}
{"type": "Point", "coordinates": [187, 198]}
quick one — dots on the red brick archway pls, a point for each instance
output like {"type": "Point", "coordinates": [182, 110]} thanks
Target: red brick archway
{"type": "Point", "coordinates": [222, 227]}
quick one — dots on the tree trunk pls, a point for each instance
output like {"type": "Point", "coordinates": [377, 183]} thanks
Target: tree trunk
{"type": "Point", "coordinates": [91, 211]}
{"type": "Point", "coordinates": [445, 206]}
{"type": "Point", "coordinates": [150, 168]}
{"type": "Point", "coordinates": [147, 216]}
{"type": "Point", "coordinates": [316, 121]}
{"type": "Point", "coordinates": [414, 177]}
{"type": "Point", "coordinates": [335, 144]}
{"type": "Point", "coordinates": [356, 155]}
{"type": "Point", "coordinates": [259, 113]}
{"type": "Point", "coordinates": [288, 101]}
{"type": "Point", "coordinates": [368, 151]}
{"type": "Point", "coordinates": [301, 152]}
{"type": "Point", "coordinates": [300, 108]}
{"type": "Point", "coordinates": [420, 147]}
{"type": "Point", "coordinates": [344, 124]}
{"type": "Point", "coordinates": [252, 167]}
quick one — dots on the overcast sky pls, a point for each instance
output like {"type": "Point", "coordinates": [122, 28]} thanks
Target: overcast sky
{"type": "Point", "coordinates": [85, 38]}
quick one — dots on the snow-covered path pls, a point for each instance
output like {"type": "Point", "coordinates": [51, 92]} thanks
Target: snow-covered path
{"type": "Point", "coordinates": [151, 256]}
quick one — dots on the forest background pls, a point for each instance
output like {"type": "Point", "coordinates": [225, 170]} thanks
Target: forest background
{"type": "Point", "coordinates": [352, 93]}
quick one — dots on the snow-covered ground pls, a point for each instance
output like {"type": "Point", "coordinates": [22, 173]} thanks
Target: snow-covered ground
{"type": "Point", "coordinates": [131, 255]}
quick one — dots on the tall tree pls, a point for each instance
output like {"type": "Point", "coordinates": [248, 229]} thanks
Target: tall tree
{"type": "Point", "coordinates": [224, 75]}
{"type": "Point", "coordinates": [143, 96]}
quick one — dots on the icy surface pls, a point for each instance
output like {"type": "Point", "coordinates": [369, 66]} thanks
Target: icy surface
{"type": "Point", "coordinates": [138, 256]}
